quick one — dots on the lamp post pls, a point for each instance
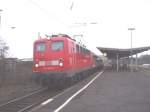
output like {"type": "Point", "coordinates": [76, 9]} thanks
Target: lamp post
{"type": "Point", "coordinates": [131, 29]}
{"type": "Point", "coordinates": [0, 18]}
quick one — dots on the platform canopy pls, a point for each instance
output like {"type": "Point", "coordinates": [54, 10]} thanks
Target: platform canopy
{"type": "Point", "coordinates": [113, 52]}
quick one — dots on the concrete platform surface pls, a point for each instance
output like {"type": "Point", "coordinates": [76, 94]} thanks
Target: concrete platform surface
{"type": "Point", "coordinates": [115, 92]}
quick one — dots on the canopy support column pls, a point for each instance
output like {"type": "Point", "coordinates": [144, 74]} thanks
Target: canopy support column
{"type": "Point", "coordinates": [136, 62]}
{"type": "Point", "coordinates": [117, 63]}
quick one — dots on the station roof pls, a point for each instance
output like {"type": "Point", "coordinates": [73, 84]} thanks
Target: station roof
{"type": "Point", "coordinates": [112, 52]}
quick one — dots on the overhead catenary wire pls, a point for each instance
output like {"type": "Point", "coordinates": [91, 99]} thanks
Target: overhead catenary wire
{"type": "Point", "coordinates": [47, 12]}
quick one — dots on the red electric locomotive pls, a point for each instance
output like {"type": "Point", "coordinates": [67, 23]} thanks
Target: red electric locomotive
{"type": "Point", "coordinates": [60, 59]}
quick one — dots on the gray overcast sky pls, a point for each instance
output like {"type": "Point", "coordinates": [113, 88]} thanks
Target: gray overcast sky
{"type": "Point", "coordinates": [114, 17]}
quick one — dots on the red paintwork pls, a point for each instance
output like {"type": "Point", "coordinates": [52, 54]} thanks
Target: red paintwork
{"type": "Point", "coordinates": [72, 60]}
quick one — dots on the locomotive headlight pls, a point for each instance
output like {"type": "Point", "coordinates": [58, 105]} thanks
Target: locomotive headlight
{"type": "Point", "coordinates": [60, 64]}
{"type": "Point", "coordinates": [36, 65]}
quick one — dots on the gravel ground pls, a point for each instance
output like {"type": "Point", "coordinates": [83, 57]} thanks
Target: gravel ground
{"type": "Point", "coordinates": [11, 92]}
{"type": "Point", "coordinates": [17, 83]}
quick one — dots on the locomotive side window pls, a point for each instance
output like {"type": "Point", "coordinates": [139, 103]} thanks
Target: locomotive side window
{"type": "Point", "coordinates": [40, 47]}
{"type": "Point", "coordinates": [57, 46]}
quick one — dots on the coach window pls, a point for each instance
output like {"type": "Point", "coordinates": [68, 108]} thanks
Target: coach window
{"type": "Point", "coordinates": [84, 50]}
{"type": "Point", "coordinates": [40, 47]}
{"type": "Point", "coordinates": [57, 46]}
{"type": "Point", "coordinates": [88, 52]}
{"type": "Point", "coordinates": [81, 49]}
{"type": "Point", "coordinates": [77, 48]}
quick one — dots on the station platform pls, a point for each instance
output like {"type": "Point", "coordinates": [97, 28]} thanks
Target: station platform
{"type": "Point", "coordinates": [112, 91]}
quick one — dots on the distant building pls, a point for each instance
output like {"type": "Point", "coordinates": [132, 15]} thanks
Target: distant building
{"type": "Point", "coordinates": [8, 64]}
{"type": "Point", "coordinates": [26, 59]}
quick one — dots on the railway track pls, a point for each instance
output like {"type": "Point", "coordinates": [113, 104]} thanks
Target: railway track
{"type": "Point", "coordinates": [25, 103]}
{"type": "Point", "coordinates": [32, 100]}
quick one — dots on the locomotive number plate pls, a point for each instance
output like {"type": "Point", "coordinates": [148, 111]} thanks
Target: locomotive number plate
{"type": "Point", "coordinates": [55, 62]}
{"type": "Point", "coordinates": [41, 63]}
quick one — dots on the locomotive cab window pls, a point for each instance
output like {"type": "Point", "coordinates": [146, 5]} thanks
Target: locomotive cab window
{"type": "Point", "coordinates": [40, 47]}
{"type": "Point", "coordinates": [57, 46]}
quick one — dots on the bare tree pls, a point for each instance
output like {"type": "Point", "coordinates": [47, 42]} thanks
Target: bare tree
{"type": "Point", "coordinates": [3, 49]}
{"type": "Point", "coordinates": [3, 52]}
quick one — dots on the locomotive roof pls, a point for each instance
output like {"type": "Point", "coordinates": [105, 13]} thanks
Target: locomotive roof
{"type": "Point", "coordinates": [54, 37]}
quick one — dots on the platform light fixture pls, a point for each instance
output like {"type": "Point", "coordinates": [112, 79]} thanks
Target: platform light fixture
{"type": "Point", "coordinates": [0, 17]}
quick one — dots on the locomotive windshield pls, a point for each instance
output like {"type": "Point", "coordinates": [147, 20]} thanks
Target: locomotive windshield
{"type": "Point", "coordinates": [40, 47]}
{"type": "Point", "coordinates": [57, 46]}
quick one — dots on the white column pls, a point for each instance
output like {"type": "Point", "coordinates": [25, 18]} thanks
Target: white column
{"type": "Point", "coordinates": [136, 62]}
{"type": "Point", "coordinates": [117, 63]}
